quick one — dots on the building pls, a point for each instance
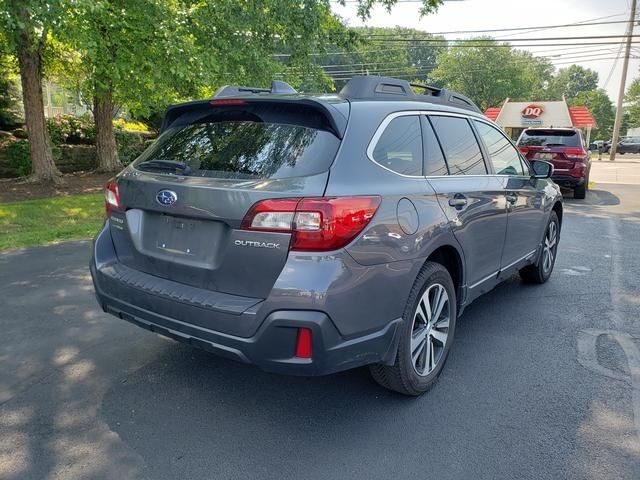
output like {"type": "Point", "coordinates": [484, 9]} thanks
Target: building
{"type": "Point", "coordinates": [514, 117]}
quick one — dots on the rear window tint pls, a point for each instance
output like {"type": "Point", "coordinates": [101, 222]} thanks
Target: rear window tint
{"type": "Point", "coordinates": [549, 138]}
{"type": "Point", "coordinates": [257, 145]}
{"type": "Point", "coordinates": [460, 146]}
{"type": "Point", "coordinates": [399, 148]}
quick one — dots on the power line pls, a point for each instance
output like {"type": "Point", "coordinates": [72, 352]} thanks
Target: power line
{"type": "Point", "coordinates": [402, 65]}
{"type": "Point", "coordinates": [446, 41]}
{"type": "Point", "coordinates": [493, 30]}
{"type": "Point", "coordinates": [402, 74]}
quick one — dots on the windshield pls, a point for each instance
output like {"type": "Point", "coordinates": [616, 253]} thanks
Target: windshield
{"type": "Point", "coordinates": [241, 148]}
{"type": "Point", "coordinates": [558, 138]}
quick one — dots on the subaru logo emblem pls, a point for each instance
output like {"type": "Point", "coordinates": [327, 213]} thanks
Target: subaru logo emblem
{"type": "Point", "coordinates": [166, 197]}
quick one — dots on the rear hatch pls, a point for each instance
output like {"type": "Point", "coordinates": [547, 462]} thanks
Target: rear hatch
{"type": "Point", "coordinates": [181, 203]}
{"type": "Point", "coordinates": [562, 147]}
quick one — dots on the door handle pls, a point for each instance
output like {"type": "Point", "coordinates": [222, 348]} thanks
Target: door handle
{"type": "Point", "coordinates": [458, 201]}
{"type": "Point", "coordinates": [511, 198]}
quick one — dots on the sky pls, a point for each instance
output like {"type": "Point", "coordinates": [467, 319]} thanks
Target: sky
{"type": "Point", "coordinates": [489, 14]}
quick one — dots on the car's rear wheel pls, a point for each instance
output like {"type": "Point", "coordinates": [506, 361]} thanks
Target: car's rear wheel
{"type": "Point", "coordinates": [580, 191]}
{"type": "Point", "coordinates": [426, 334]}
{"type": "Point", "coordinates": [541, 270]}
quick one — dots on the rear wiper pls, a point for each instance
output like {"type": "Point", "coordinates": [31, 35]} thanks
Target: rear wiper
{"type": "Point", "coordinates": [166, 165]}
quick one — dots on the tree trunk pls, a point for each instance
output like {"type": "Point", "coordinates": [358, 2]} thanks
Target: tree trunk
{"type": "Point", "coordinates": [106, 147]}
{"type": "Point", "coordinates": [30, 62]}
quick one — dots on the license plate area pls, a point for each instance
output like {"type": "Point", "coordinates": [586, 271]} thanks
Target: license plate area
{"type": "Point", "coordinates": [183, 240]}
{"type": "Point", "coordinates": [178, 236]}
{"type": "Point", "coordinates": [544, 156]}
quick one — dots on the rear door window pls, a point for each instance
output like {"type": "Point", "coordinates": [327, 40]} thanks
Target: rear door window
{"type": "Point", "coordinates": [503, 155]}
{"type": "Point", "coordinates": [399, 148]}
{"type": "Point", "coordinates": [258, 142]}
{"type": "Point", "coordinates": [549, 138]}
{"type": "Point", "coordinates": [459, 144]}
{"type": "Point", "coordinates": [434, 164]}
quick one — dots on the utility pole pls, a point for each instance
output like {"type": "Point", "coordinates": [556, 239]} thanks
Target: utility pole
{"type": "Point", "coordinates": [625, 67]}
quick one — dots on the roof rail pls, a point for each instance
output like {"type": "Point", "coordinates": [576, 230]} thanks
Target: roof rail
{"type": "Point", "coordinates": [386, 88]}
{"type": "Point", "coordinates": [277, 87]}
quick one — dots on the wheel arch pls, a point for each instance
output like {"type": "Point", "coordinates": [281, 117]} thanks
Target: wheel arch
{"type": "Point", "coordinates": [450, 258]}
{"type": "Point", "coordinates": [557, 207]}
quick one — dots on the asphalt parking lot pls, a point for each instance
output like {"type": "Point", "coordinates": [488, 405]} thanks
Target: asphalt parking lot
{"type": "Point", "coordinates": [543, 382]}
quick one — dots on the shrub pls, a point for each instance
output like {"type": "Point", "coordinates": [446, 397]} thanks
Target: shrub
{"type": "Point", "coordinates": [122, 124]}
{"type": "Point", "coordinates": [130, 145]}
{"type": "Point", "coordinates": [18, 157]}
{"type": "Point", "coordinates": [71, 130]}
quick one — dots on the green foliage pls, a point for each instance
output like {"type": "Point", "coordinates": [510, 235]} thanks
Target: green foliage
{"type": "Point", "coordinates": [9, 93]}
{"type": "Point", "coordinates": [632, 99]}
{"type": "Point", "coordinates": [374, 52]}
{"type": "Point", "coordinates": [573, 80]}
{"type": "Point", "coordinates": [489, 75]}
{"type": "Point", "coordinates": [71, 130]}
{"type": "Point", "coordinates": [130, 145]}
{"type": "Point", "coordinates": [130, 125]}
{"type": "Point", "coordinates": [38, 222]}
{"type": "Point", "coordinates": [18, 156]}
{"type": "Point", "coordinates": [602, 109]}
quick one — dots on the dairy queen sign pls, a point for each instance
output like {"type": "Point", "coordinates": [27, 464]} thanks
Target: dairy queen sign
{"type": "Point", "coordinates": [531, 114]}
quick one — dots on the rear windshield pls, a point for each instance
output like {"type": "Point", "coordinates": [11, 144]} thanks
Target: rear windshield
{"type": "Point", "coordinates": [257, 144]}
{"type": "Point", "coordinates": [550, 138]}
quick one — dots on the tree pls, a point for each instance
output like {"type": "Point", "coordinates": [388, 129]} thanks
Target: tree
{"type": "Point", "coordinates": [602, 109]}
{"type": "Point", "coordinates": [489, 75]}
{"type": "Point", "coordinates": [393, 52]}
{"type": "Point", "coordinates": [27, 25]}
{"type": "Point", "coordinates": [573, 80]}
{"type": "Point", "coordinates": [632, 99]}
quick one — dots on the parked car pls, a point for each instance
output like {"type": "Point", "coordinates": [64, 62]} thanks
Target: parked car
{"type": "Point", "coordinates": [313, 234]}
{"type": "Point", "coordinates": [564, 148]}
{"type": "Point", "coordinates": [628, 145]}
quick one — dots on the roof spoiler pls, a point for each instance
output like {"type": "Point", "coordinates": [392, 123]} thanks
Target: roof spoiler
{"type": "Point", "coordinates": [386, 88]}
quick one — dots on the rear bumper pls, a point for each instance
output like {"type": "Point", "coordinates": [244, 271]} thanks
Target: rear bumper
{"type": "Point", "coordinates": [568, 181]}
{"type": "Point", "coordinates": [272, 348]}
{"type": "Point", "coordinates": [185, 316]}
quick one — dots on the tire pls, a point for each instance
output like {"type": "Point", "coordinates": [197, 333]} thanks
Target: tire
{"type": "Point", "coordinates": [541, 271]}
{"type": "Point", "coordinates": [580, 192]}
{"type": "Point", "coordinates": [412, 375]}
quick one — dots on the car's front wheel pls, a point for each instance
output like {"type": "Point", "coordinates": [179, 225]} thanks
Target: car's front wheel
{"type": "Point", "coordinates": [426, 334]}
{"type": "Point", "coordinates": [541, 270]}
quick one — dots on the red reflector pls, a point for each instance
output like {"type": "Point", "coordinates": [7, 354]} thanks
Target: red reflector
{"type": "Point", "coordinates": [111, 197]}
{"type": "Point", "coordinates": [524, 149]}
{"type": "Point", "coordinates": [303, 345]}
{"type": "Point", "coordinates": [227, 101]}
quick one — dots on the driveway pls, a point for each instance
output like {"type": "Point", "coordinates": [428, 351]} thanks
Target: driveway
{"type": "Point", "coordinates": [541, 383]}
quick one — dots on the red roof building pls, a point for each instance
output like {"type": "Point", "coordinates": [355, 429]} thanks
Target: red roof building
{"type": "Point", "coordinates": [514, 117]}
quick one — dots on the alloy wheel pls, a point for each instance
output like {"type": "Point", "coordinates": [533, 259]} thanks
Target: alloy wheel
{"type": "Point", "coordinates": [549, 249]}
{"type": "Point", "coordinates": [430, 329]}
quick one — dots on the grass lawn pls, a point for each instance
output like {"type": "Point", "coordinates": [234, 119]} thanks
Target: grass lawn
{"type": "Point", "coordinates": [49, 220]}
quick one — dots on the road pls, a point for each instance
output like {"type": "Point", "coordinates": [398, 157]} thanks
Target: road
{"type": "Point", "coordinates": [541, 383]}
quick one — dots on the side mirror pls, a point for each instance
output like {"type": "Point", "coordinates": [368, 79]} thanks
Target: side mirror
{"type": "Point", "coordinates": [541, 169]}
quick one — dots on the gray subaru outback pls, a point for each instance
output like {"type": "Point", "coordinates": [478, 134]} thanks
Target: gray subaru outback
{"type": "Point", "coordinates": [313, 234]}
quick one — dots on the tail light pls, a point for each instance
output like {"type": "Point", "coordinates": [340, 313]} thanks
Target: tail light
{"type": "Point", "coordinates": [524, 150]}
{"type": "Point", "coordinates": [575, 153]}
{"type": "Point", "coordinates": [111, 197]}
{"type": "Point", "coordinates": [316, 224]}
